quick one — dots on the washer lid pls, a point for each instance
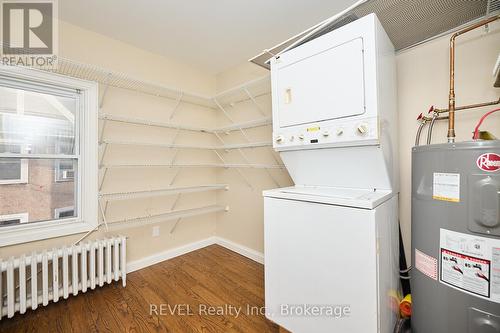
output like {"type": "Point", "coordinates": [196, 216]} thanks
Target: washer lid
{"type": "Point", "coordinates": [359, 198]}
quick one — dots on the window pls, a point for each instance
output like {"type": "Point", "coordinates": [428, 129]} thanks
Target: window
{"type": "Point", "coordinates": [48, 155]}
{"type": "Point", "coordinates": [13, 171]}
{"type": "Point", "coordinates": [60, 213]}
{"type": "Point", "coordinates": [12, 219]}
{"type": "Point", "coordinates": [65, 171]}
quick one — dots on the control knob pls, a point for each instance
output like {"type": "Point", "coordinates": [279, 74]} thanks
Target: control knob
{"type": "Point", "coordinates": [363, 129]}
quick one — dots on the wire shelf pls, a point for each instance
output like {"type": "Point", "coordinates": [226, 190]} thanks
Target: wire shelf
{"type": "Point", "coordinates": [247, 91]}
{"type": "Point", "coordinates": [245, 125]}
{"type": "Point", "coordinates": [120, 80]}
{"type": "Point", "coordinates": [192, 165]}
{"type": "Point", "coordinates": [176, 214]}
{"type": "Point", "coordinates": [187, 146]}
{"type": "Point", "coordinates": [161, 192]}
{"type": "Point", "coordinates": [145, 122]}
{"type": "Point", "coordinates": [233, 127]}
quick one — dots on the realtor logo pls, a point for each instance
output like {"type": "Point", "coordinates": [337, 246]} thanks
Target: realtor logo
{"type": "Point", "coordinates": [29, 32]}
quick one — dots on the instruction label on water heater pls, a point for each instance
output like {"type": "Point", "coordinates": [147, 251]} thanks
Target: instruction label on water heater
{"type": "Point", "coordinates": [470, 264]}
{"type": "Point", "coordinates": [446, 186]}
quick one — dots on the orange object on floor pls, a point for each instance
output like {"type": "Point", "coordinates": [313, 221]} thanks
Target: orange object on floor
{"type": "Point", "coordinates": [405, 306]}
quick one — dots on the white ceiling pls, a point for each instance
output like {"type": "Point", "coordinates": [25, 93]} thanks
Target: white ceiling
{"type": "Point", "coordinates": [210, 35]}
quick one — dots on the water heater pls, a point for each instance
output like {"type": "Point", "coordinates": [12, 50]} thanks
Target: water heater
{"type": "Point", "coordinates": [456, 237]}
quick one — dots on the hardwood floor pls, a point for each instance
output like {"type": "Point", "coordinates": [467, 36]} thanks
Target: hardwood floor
{"type": "Point", "coordinates": [210, 279]}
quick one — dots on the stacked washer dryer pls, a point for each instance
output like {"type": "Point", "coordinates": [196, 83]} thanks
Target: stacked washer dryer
{"type": "Point", "coordinates": [331, 241]}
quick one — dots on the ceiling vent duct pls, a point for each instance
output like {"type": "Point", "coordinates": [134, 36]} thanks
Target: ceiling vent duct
{"type": "Point", "coordinates": [408, 23]}
{"type": "Point", "coordinates": [493, 6]}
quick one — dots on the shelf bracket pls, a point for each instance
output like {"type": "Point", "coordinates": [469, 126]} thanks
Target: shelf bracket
{"type": "Point", "coordinates": [254, 101]}
{"type": "Point", "coordinates": [267, 170]}
{"type": "Point", "coordinates": [223, 110]}
{"type": "Point", "coordinates": [177, 103]}
{"type": "Point", "coordinates": [103, 153]}
{"type": "Point", "coordinates": [105, 90]}
{"type": "Point", "coordinates": [219, 156]}
{"type": "Point", "coordinates": [175, 176]}
{"type": "Point", "coordinates": [103, 178]}
{"type": "Point", "coordinates": [174, 204]}
{"type": "Point", "coordinates": [175, 225]}
{"type": "Point", "coordinates": [278, 162]}
{"type": "Point", "coordinates": [245, 179]}
{"type": "Point", "coordinates": [103, 215]}
{"type": "Point", "coordinates": [101, 133]}
{"type": "Point", "coordinates": [171, 209]}
{"type": "Point", "coordinates": [87, 234]}
{"type": "Point", "coordinates": [106, 207]}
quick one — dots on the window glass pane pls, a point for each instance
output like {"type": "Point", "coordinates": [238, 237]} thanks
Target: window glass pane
{"type": "Point", "coordinates": [42, 194]}
{"type": "Point", "coordinates": [40, 123]}
{"type": "Point", "coordinates": [10, 169]}
{"type": "Point", "coordinates": [10, 148]}
{"type": "Point", "coordinates": [9, 222]}
{"type": "Point", "coordinates": [65, 170]}
{"type": "Point", "coordinates": [65, 212]}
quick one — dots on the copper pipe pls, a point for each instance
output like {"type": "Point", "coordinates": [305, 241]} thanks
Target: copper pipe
{"type": "Point", "coordinates": [470, 106]}
{"type": "Point", "coordinates": [451, 97]}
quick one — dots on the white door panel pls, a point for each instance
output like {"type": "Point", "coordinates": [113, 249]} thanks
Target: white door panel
{"type": "Point", "coordinates": [324, 86]}
{"type": "Point", "coordinates": [320, 254]}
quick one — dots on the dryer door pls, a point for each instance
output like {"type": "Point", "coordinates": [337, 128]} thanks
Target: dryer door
{"type": "Point", "coordinates": [323, 86]}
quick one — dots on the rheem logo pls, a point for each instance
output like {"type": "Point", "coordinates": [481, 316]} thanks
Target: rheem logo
{"type": "Point", "coordinates": [29, 32]}
{"type": "Point", "coordinates": [488, 162]}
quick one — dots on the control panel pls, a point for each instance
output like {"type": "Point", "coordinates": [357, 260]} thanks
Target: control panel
{"type": "Point", "coordinates": [337, 133]}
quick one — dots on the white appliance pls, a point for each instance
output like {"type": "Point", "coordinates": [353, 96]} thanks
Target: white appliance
{"type": "Point", "coordinates": [331, 241]}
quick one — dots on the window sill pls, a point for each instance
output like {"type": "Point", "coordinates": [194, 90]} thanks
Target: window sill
{"type": "Point", "coordinates": [13, 182]}
{"type": "Point", "coordinates": [29, 232]}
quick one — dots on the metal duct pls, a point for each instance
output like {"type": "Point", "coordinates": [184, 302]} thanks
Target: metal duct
{"type": "Point", "coordinates": [407, 22]}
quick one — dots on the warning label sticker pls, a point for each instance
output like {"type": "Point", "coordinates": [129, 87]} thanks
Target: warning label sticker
{"type": "Point", "coordinates": [426, 264]}
{"type": "Point", "coordinates": [446, 186]}
{"type": "Point", "coordinates": [464, 272]}
{"type": "Point", "coordinates": [470, 264]}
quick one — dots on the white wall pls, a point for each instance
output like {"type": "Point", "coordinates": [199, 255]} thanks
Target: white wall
{"type": "Point", "coordinates": [244, 223]}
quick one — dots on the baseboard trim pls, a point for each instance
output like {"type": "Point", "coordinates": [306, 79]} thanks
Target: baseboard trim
{"type": "Point", "coordinates": [178, 251]}
{"type": "Point", "coordinates": [169, 254]}
{"type": "Point", "coordinates": [240, 249]}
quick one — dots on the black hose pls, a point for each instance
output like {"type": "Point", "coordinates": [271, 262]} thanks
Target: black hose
{"type": "Point", "coordinates": [403, 325]}
{"type": "Point", "coordinates": [405, 284]}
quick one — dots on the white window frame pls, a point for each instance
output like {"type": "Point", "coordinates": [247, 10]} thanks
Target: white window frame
{"type": "Point", "coordinates": [24, 167]}
{"type": "Point", "coordinates": [58, 211]}
{"type": "Point", "coordinates": [22, 217]}
{"type": "Point", "coordinates": [87, 195]}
